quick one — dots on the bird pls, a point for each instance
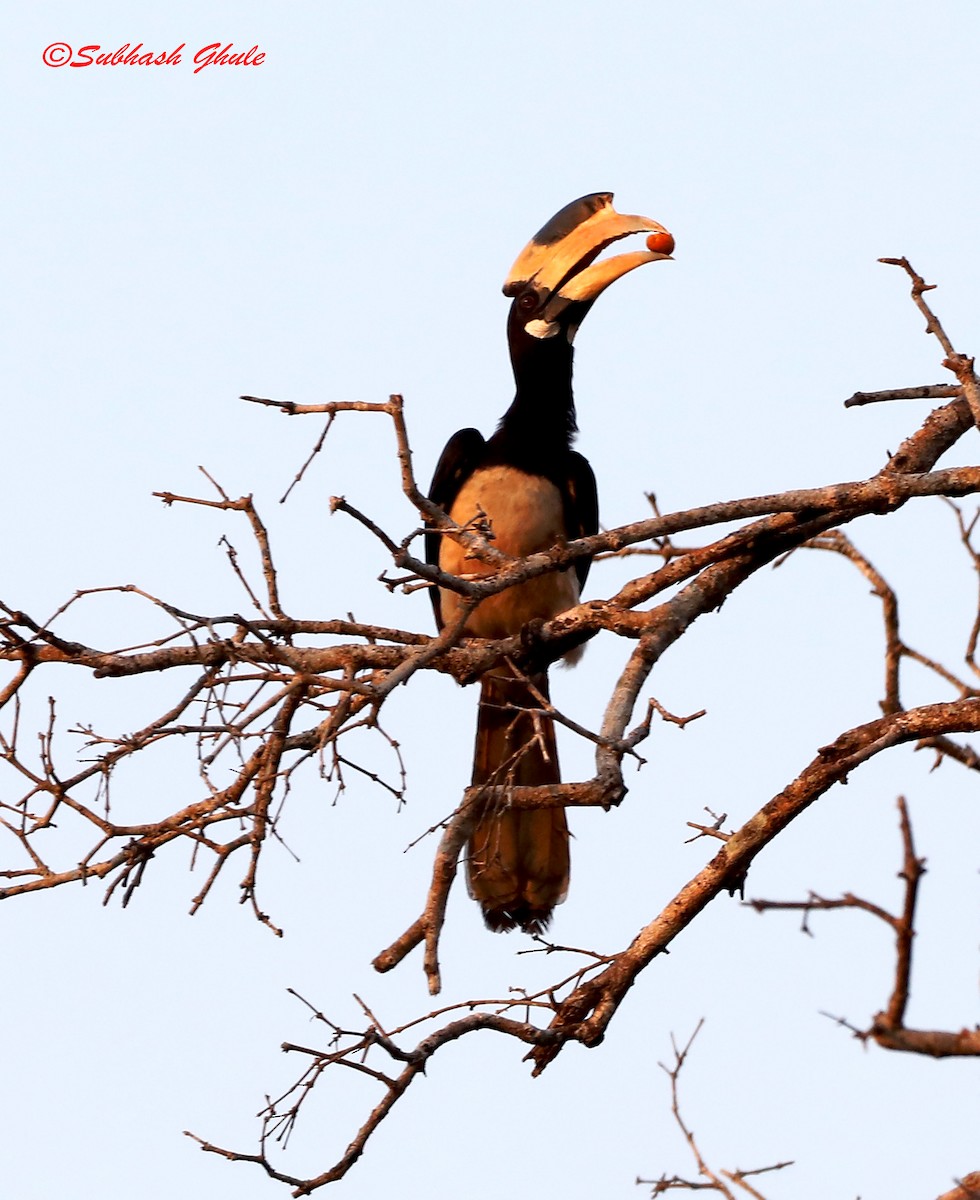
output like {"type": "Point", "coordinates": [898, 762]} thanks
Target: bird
{"type": "Point", "coordinates": [529, 491]}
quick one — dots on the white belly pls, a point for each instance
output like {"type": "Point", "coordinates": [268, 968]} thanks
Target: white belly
{"type": "Point", "coordinates": [526, 515]}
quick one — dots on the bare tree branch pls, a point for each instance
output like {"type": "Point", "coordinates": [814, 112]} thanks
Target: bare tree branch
{"type": "Point", "coordinates": [261, 697]}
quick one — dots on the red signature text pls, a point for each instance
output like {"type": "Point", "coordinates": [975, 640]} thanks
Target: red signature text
{"type": "Point", "coordinates": [217, 54]}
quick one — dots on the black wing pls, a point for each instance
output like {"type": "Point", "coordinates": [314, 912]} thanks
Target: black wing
{"type": "Point", "coordinates": [462, 455]}
{"type": "Point", "coordinates": [581, 507]}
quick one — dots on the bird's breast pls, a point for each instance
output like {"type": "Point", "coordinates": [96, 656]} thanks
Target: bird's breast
{"type": "Point", "coordinates": [525, 514]}
{"type": "Point", "coordinates": [525, 511]}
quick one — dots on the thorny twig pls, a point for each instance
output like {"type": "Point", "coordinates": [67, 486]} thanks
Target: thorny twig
{"type": "Point", "coordinates": [888, 1028]}
{"type": "Point", "coordinates": [714, 1181]}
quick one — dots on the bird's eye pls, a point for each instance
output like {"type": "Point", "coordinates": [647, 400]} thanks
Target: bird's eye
{"type": "Point", "coordinates": [528, 302]}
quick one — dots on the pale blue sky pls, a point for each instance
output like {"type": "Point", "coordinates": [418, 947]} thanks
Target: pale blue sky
{"type": "Point", "coordinates": [337, 223]}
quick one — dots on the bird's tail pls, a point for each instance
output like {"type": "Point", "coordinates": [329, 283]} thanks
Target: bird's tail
{"type": "Point", "coordinates": [517, 865]}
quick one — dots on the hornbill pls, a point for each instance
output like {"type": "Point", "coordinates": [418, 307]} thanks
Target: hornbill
{"type": "Point", "coordinates": [531, 490]}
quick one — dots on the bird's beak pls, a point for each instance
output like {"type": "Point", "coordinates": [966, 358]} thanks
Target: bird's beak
{"type": "Point", "coordinates": [560, 264]}
{"type": "Point", "coordinates": [572, 240]}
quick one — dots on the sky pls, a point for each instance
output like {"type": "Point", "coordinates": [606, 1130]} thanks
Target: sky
{"type": "Point", "coordinates": [335, 223]}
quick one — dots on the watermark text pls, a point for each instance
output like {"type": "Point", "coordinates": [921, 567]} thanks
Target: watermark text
{"type": "Point", "coordinates": [217, 54]}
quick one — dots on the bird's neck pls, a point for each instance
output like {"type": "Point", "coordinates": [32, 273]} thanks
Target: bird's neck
{"type": "Point", "coordinates": [540, 423]}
